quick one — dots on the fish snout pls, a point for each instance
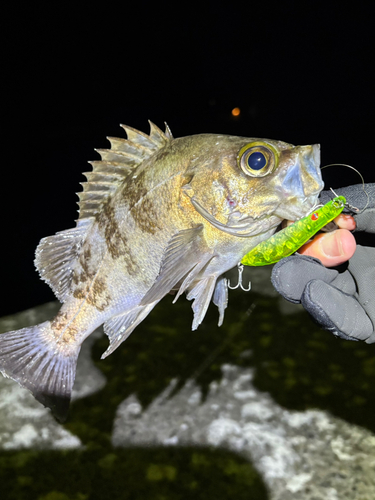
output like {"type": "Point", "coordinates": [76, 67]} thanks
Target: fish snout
{"type": "Point", "coordinates": [303, 178]}
{"type": "Point", "coordinates": [314, 152]}
{"type": "Point", "coordinates": [302, 182]}
{"type": "Point", "coordinates": [310, 170]}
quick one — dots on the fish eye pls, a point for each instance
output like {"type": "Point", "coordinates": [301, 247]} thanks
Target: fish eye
{"type": "Point", "coordinates": [257, 159]}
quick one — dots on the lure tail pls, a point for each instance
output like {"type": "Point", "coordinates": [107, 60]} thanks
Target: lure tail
{"type": "Point", "coordinates": [32, 357]}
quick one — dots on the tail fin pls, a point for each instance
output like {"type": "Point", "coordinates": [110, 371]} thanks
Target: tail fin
{"type": "Point", "coordinates": [32, 357]}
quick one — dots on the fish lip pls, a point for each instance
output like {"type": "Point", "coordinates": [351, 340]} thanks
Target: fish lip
{"type": "Point", "coordinates": [297, 211]}
{"type": "Point", "coordinates": [302, 183]}
{"type": "Point", "coordinates": [316, 154]}
{"type": "Point", "coordinates": [303, 178]}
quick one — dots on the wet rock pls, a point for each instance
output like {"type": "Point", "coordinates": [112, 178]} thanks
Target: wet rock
{"type": "Point", "coordinates": [300, 455]}
{"type": "Point", "coordinates": [25, 423]}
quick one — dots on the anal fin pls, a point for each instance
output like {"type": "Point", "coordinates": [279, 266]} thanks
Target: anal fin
{"type": "Point", "coordinates": [120, 327]}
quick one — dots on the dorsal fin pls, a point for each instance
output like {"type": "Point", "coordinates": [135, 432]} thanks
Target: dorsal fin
{"type": "Point", "coordinates": [115, 165]}
{"type": "Point", "coordinates": [168, 132]}
{"type": "Point", "coordinates": [55, 256]}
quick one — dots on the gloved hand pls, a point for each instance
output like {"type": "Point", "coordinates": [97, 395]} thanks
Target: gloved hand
{"type": "Point", "coordinates": [343, 303]}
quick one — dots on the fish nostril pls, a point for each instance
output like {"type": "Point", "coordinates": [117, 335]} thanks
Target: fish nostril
{"type": "Point", "coordinates": [231, 202]}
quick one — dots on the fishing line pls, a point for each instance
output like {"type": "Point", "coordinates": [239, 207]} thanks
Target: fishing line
{"type": "Point", "coordinates": [215, 353]}
{"type": "Point", "coordinates": [363, 184]}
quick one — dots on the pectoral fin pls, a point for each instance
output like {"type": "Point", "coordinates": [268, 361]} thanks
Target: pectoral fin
{"type": "Point", "coordinates": [184, 257]}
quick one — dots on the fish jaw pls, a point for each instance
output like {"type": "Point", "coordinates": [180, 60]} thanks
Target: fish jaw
{"type": "Point", "coordinates": [300, 182]}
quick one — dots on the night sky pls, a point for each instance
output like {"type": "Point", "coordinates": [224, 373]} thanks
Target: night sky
{"type": "Point", "coordinates": [301, 72]}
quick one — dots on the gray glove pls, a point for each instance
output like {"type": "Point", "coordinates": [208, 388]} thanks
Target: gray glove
{"type": "Point", "coordinates": [343, 303]}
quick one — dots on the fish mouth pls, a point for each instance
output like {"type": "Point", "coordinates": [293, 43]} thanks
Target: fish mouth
{"type": "Point", "coordinates": [299, 209]}
{"type": "Point", "coordinates": [303, 181]}
{"type": "Point", "coordinates": [237, 225]}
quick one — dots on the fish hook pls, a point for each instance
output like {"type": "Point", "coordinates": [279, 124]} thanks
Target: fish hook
{"type": "Point", "coordinates": [351, 207]}
{"type": "Point", "coordinates": [239, 284]}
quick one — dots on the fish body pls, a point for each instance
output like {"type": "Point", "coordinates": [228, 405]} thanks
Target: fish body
{"type": "Point", "coordinates": [156, 214]}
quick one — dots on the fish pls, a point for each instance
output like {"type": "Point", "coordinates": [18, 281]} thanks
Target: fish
{"type": "Point", "coordinates": [157, 214]}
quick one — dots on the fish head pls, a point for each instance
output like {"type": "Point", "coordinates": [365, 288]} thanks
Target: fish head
{"type": "Point", "coordinates": [245, 186]}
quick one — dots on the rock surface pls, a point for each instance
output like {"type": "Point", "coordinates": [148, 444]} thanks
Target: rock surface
{"type": "Point", "coordinates": [300, 455]}
{"type": "Point", "coordinates": [304, 455]}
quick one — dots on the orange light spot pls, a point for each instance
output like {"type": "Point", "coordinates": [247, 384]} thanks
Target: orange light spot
{"type": "Point", "coordinates": [236, 112]}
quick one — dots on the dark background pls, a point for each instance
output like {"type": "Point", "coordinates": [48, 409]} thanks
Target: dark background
{"type": "Point", "coordinates": [301, 72]}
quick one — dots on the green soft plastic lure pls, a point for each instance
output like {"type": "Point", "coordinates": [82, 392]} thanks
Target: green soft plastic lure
{"type": "Point", "coordinates": [290, 239]}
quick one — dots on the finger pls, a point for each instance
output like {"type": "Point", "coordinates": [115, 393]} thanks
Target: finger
{"type": "Point", "coordinates": [332, 248]}
{"type": "Point", "coordinates": [336, 311]}
{"type": "Point", "coordinates": [345, 221]}
{"type": "Point", "coordinates": [291, 275]}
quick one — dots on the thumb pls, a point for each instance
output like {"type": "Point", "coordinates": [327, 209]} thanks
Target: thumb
{"type": "Point", "coordinates": [332, 248]}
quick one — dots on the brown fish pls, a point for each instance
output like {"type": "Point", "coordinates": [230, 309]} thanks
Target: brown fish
{"type": "Point", "coordinates": [156, 214]}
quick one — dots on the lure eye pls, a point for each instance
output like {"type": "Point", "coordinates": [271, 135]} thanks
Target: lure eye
{"type": "Point", "coordinates": [257, 159]}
